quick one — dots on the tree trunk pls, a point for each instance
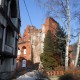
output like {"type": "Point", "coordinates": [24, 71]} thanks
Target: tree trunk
{"type": "Point", "coordinates": [68, 37]}
{"type": "Point", "coordinates": [77, 55]}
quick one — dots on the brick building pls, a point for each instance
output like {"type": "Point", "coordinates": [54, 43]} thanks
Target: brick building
{"type": "Point", "coordinates": [31, 44]}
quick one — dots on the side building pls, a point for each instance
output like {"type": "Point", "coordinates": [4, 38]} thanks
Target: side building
{"type": "Point", "coordinates": [9, 30]}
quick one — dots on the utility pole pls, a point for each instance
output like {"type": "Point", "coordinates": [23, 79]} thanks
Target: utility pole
{"type": "Point", "coordinates": [77, 55]}
{"type": "Point", "coordinates": [68, 37]}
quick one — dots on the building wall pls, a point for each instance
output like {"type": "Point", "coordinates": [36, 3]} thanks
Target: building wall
{"type": "Point", "coordinates": [33, 40]}
{"type": "Point", "coordinates": [9, 30]}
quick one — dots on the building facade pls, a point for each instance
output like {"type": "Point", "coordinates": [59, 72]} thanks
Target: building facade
{"type": "Point", "coordinates": [31, 44]}
{"type": "Point", "coordinates": [9, 30]}
{"type": "Point", "coordinates": [28, 48]}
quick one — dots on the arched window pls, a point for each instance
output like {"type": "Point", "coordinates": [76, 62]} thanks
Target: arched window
{"type": "Point", "coordinates": [24, 50]}
{"type": "Point", "coordinates": [19, 52]}
{"type": "Point", "coordinates": [13, 9]}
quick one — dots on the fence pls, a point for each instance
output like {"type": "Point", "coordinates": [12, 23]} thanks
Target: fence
{"type": "Point", "coordinates": [58, 73]}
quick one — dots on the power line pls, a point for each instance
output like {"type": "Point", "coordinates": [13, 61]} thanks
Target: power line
{"type": "Point", "coordinates": [27, 11]}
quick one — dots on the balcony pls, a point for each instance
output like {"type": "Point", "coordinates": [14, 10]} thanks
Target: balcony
{"type": "Point", "coordinates": [8, 49]}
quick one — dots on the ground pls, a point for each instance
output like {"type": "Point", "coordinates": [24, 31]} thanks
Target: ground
{"type": "Point", "coordinates": [33, 75]}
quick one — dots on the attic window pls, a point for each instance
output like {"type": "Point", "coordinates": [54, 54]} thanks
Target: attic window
{"type": "Point", "coordinates": [13, 9]}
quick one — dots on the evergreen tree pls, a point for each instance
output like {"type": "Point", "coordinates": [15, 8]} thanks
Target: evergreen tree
{"type": "Point", "coordinates": [54, 49]}
{"type": "Point", "coordinates": [47, 57]}
{"type": "Point", "coordinates": [61, 44]}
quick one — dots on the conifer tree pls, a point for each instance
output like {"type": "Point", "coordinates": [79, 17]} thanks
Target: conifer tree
{"type": "Point", "coordinates": [54, 49]}
{"type": "Point", "coordinates": [47, 57]}
{"type": "Point", "coordinates": [61, 44]}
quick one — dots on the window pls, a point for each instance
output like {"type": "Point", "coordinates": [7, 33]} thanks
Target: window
{"type": "Point", "coordinates": [9, 37]}
{"type": "Point", "coordinates": [23, 63]}
{"type": "Point", "coordinates": [19, 52]}
{"type": "Point", "coordinates": [24, 51]}
{"type": "Point", "coordinates": [13, 9]}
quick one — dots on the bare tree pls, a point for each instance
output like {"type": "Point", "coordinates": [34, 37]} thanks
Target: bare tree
{"type": "Point", "coordinates": [64, 11]}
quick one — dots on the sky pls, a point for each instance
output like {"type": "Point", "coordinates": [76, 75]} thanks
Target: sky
{"type": "Point", "coordinates": [36, 14]}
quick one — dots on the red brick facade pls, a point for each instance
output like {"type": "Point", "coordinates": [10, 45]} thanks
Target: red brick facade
{"type": "Point", "coordinates": [31, 40]}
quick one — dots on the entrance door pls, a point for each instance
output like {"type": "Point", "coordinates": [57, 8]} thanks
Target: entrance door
{"type": "Point", "coordinates": [23, 63]}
